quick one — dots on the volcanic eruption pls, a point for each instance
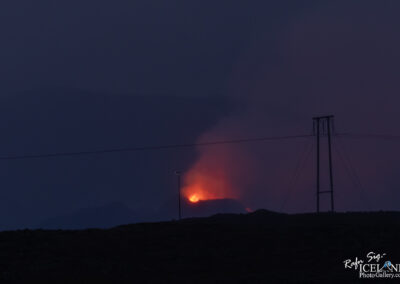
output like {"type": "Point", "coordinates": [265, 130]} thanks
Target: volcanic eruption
{"type": "Point", "coordinates": [208, 179]}
{"type": "Point", "coordinates": [219, 172]}
{"type": "Point", "coordinates": [194, 198]}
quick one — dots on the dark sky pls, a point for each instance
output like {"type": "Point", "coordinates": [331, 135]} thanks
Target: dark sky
{"type": "Point", "coordinates": [168, 47]}
{"type": "Point", "coordinates": [83, 75]}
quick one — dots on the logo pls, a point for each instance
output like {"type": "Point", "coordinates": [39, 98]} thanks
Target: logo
{"type": "Point", "coordinates": [373, 266]}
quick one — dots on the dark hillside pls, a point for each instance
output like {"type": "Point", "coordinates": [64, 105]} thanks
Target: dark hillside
{"type": "Point", "coordinates": [261, 247]}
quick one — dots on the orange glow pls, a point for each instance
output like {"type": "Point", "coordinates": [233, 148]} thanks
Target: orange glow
{"type": "Point", "coordinates": [219, 173]}
{"type": "Point", "coordinates": [194, 198]}
{"type": "Point", "coordinates": [205, 185]}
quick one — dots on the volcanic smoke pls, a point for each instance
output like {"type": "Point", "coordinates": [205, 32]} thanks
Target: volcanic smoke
{"type": "Point", "coordinates": [218, 173]}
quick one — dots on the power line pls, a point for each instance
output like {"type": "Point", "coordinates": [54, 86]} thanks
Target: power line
{"type": "Point", "coordinates": [370, 135]}
{"type": "Point", "coordinates": [150, 148]}
{"type": "Point", "coordinates": [352, 172]}
{"type": "Point", "coordinates": [303, 158]}
{"type": "Point", "coordinates": [161, 147]}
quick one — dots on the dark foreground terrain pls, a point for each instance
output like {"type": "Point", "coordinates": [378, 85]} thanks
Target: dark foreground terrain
{"type": "Point", "coordinates": [261, 247]}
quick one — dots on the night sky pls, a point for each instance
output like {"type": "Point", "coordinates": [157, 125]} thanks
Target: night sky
{"type": "Point", "coordinates": [91, 75]}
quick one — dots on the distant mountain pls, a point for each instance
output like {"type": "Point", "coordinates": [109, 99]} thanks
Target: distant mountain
{"type": "Point", "coordinates": [202, 208]}
{"type": "Point", "coordinates": [211, 207]}
{"type": "Point", "coordinates": [106, 216]}
{"type": "Point", "coordinates": [69, 120]}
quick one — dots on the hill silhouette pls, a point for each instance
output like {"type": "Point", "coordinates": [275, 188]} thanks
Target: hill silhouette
{"type": "Point", "coordinates": [202, 208]}
{"type": "Point", "coordinates": [117, 213]}
{"type": "Point", "coordinates": [106, 216]}
{"type": "Point", "coordinates": [214, 206]}
{"type": "Point", "coordinates": [259, 247]}
{"type": "Point", "coordinates": [65, 120]}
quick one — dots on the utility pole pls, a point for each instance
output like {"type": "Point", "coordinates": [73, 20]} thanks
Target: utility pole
{"type": "Point", "coordinates": [178, 173]}
{"type": "Point", "coordinates": [318, 179]}
{"type": "Point", "coordinates": [326, 123]}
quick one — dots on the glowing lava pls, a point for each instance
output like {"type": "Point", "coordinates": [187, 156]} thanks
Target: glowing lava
{"type": "Point", "coordinates": [219, 173]}
{"type": "Point", "coordinates": [201, 186]}
{"type": "Point", "coordinates": [194, 198]}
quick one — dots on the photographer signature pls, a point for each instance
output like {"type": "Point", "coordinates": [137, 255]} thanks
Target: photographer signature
{"type": "Point", "coordinates": [348, 263]}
